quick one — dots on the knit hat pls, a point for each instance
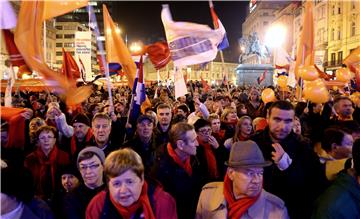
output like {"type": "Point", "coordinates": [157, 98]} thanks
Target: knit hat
{"type": "Point", "coordinates": [81, 118]}
{"type": "Point", "coordinates": [97, 151]}
{"type": "Point", "coordinates": [69, 169]}
{"type": "Point", "coordinates": [246, 154]}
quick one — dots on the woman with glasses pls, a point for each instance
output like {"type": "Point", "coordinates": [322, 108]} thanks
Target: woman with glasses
{"type": "Point", "coordinates": [45, 162]}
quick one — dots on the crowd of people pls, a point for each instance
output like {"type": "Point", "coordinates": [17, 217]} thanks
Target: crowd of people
{"type": "Point", "coordinates": [213, 153]}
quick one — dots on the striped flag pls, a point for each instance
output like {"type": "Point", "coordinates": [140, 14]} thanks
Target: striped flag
{"type": "Point", "coordinates": [138, 93]}
{"type": "Point", "coordinates": [191, 43]}
{"type": "Point", "coordinates": [216, 21]}
{"type": "Point", "coordinates": [262, 77]}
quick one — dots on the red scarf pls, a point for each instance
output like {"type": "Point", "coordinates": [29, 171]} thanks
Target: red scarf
{"type": "Point", "coordinates": [47, 162]}
{"type": "Point", "coordinates": [236, 208]}
{"type": "Point", "coordinates": [210, 159]}
{"type": "Point", "coordinates": [186, 166]}
{"type": "Point", "coordinates": [219, 135]}
{"type": "Point", "coordinates": [143, 201]}
{"type": "Point", "coordinates": [73, 147]}
{"type": "Point", "coordinates": [16, 122]}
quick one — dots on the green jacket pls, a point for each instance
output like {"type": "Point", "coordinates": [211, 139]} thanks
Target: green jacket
{"type": "Point", "coordinates": [340, 200]}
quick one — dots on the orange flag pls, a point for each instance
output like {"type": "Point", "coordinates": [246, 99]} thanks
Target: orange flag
{"type": "Point", "coordinates": [305, 48]}
{"type": "Point", "coordinates": [116, 50]}
{"type": "Point", "coordinates": [28, 31]}
{"type": "Point", "coordinates": [352, 61]}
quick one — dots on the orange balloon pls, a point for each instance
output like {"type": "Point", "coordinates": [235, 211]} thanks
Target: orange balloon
{"type": "Point", "coordinates": [282, 81]}
{"type": "Point", "coordinates": [316, 91]}
{"type": "Point", "coordinates": [268, 95]}
{"type": "Point", "coordinates": [343, 74]}
{"type": "Point", "coordinates": [308, 73]}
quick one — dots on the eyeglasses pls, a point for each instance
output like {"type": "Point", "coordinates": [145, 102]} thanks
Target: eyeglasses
{"type": "Point", "coordinates": [91, 167]}
{"type": "Point", "coordinates": [205, 131]}
{"type": "Point", "coordinates": [43, 138]}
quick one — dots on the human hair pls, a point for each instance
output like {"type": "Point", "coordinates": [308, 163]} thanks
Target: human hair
{"type": "Point", "coordinates": [122, 160]}
{"type": "Point", "coordinates": [331, 136]}
{"type": "Point", "coordinates": [238, 127]}
{"type": "Point", "coordinates": [213, 116]}
{"type": "Point", "coordinates": [340, 98]}
{"type": "Point", "coordinates": [226, 112]}
{"type": "Point", "coordinates": [163, 106]}
{"type": "Point", "coordinates": [87, 155]}
{"type": "Point", "coordinates": [178, 132]}
{"type": "Point", "coordinates": [184, 108]}
{"type": "Point", "coordinates": [201, 123]}
{"type": "Point", "coordinates": [282, 105]}
{"type": "Point", "coordinates": [46, 128]}
{"type": "Point", "coordinates": [101, 116]}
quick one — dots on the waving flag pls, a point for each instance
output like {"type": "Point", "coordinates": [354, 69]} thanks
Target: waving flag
{"type": "Point", "coordinates": [69, 67]}
{"type": "Point", "coordinates": [16, 58]}
{"type": "Point", "coordinates": [216, 21]}
{"type": "Point", "coordinates": [262, 77]}
{"type": "Point", "coordinates": [305, 49]}
{"type": "Point", "coordinates": [28, 31]}
{"type": "Point", "coordinates": [159, 54]}
{"type": "Point", "coordinates": [352, 61]}
{"type": "Point", "coordinates": [138, 93]}
{"type": "Point", "coordinates": [116, 50]}
{"type": "Point", "coordinates": [191, 43]}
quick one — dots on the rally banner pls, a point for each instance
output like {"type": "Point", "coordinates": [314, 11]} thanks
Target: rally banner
{"type": "Point", "coordinates": [83, 52]}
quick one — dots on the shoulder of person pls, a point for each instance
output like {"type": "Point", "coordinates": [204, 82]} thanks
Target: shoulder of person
{"type": "Point", "coordinates": [273, 199]}
{"type": "Point", "coordinates": [213, 186]}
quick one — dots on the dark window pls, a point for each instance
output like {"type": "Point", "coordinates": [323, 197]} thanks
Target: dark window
{"type": "Point", "coordinates": [69, 36]}
{"type": "Point", "coordinates": [340, 57]}
{"type": "Point", "coordinates": [339, 10]}
{"type": "Point", "coordinates": [333, 57]}
{"type": "Point", "coordinates": [59, 27]}
{"type": "Point", "coordinates": [59, 36]}
{"type": "Point", "coordinates": [59, 44]}
{"type": "Point", "coordinates": [58, 53]}
{"type": "Point", "coordinates": [353, 29]}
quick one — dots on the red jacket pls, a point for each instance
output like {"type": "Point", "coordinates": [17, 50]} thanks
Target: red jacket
{"type": "Point", "coordinates": [37, 163]}
{"type": "Point", "coordinates": [164, 206]}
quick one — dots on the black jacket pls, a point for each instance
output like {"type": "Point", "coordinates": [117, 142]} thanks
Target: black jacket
{"type": "Point", "coordinates": [301, 182]}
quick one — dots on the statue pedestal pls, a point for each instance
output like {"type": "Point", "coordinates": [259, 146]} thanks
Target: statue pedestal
{"type": "Point", "coordinates": [247, 74]}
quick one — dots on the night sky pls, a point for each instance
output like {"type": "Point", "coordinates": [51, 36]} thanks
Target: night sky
{"type": "Point", "coordinates": [142, 20]}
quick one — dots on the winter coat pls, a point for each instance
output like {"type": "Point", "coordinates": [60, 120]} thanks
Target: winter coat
{"type": "Point", "coordinates": [212, 205]}
{"type": "Point", "coordinates": [341, 200]}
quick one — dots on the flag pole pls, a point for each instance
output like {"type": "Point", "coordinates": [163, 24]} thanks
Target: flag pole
{"type": "Point", "coordinates": [102, 53]}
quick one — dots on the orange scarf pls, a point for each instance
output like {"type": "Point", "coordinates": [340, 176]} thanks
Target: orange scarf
{"type": "Point", "coordinates": [73, 147]}
{"type": "Point", "coordinates": [219, 135]}
{"type": "Point", "coordinates": [143, 202]}
{"type": "Point", "coordinates": [210, 159]}
{"type": "Point", "coordinates": [236, 208]}
{"type": "Point", "coordinates": [186, 166]}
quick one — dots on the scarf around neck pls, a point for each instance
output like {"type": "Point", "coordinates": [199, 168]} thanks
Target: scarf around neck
{"type": "Point", "coordinates": [143, 202]}
{"type": "Point", "coordinates": [186, 166]}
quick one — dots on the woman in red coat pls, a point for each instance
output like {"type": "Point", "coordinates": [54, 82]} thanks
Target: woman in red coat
{"type": "Point", "coordinates": [129, 195]}
{"type": "Point", "coordinates": [45, 161]}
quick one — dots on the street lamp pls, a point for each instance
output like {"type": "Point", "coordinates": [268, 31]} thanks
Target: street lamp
{"type": "Point", "coordinates": [136, 47]}
{"type": "Point", "coordinates": [275, 35]}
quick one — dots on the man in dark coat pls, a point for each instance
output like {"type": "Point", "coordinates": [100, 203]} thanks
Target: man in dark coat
{"type": "Point", "coordinates": [178, 169]}
{"type": "Point", "coordinates": [295, 175]}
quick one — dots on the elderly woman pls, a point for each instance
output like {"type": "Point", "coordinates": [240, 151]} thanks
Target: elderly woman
{"type": "Point", "coordinates": [45, 162]}
{"type": "Point", "coordinates": [129, 195]}
{"type": "Point", "coordinates": [243, 131]}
